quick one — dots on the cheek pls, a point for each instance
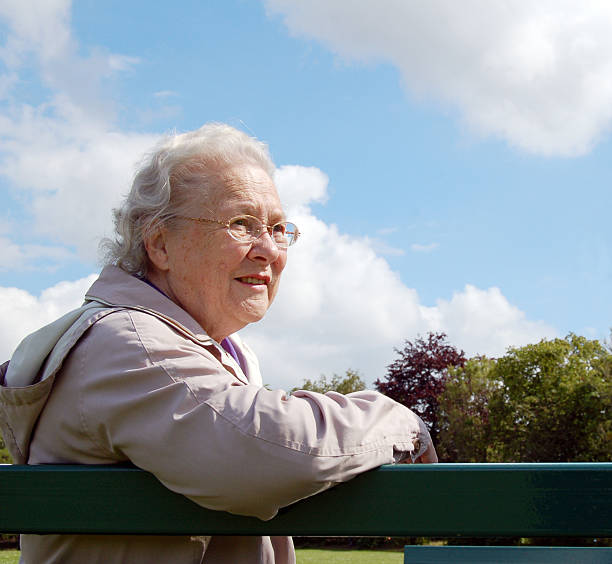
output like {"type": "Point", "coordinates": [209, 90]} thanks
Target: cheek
{"type": "Point", "coordinates": [280, 263]}
{"type": "Point", "coordinates": [277, 269]}
{"type": "Point", "coordinates": [219, 263]}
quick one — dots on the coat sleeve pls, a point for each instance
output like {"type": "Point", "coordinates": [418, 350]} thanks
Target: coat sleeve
{"type": "Point", "coordinates": [168, 405]}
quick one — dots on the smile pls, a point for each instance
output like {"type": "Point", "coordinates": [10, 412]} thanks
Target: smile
{"type": "Point", "coordinates": [252, 281]}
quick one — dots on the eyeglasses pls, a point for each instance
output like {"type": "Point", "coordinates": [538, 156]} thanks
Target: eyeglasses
{"type": "Point", "coordinates": [246, 229]}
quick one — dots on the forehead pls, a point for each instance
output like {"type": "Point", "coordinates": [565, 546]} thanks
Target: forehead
{"type": "Point", "coordinates": [245, 189]}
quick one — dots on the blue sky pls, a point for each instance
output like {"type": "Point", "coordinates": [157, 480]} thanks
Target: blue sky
{"type": "Point", "coordinates": [449, 167]}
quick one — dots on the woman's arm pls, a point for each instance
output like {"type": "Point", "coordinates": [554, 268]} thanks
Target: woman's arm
{"type": "Point", "coordinates": [168, 405]}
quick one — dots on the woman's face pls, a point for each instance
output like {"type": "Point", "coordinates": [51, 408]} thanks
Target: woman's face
{"type": "Point", "coordinates": [222, 283]}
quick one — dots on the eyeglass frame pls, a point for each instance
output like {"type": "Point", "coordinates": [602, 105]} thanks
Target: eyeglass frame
{"type": "Point", "coordinates": [268, 228]}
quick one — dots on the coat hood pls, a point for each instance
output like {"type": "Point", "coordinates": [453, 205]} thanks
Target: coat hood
{"type": "Point", "coordinates": [27, 379]}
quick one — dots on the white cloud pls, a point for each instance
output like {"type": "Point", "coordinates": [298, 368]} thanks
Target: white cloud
{"type": "Point", "coordinates": [21, 312]}
{"type": "Point", "coordinates": [31, 257]}
{"type": "Point", "coordinates": [39, 25]}
{"type": "Point", "coordinates": [380, 247]}
{"type": "Point", "coordinates": [418, 248]}
{"type": "Point", "coordinates": [538, 75]}
{"type": "Point", "coordinates": [341, 306]}
{"type": "Point", "coordinates": [64, 155]}
{"type": "Point", "coordinates": [122, 62]}
{"type": "Point", "coordinates": [484, 322]}
{"type": "Point", "coordinates": [73, 173]}
{"type": "Point", "coordinates": [388, 230]}
{"type": "Point", "coordinates": [300, 186]}
{"type": "Point", "coordinates": [39, 38]}
{"type": "Point", "coordinates": [165, 94]}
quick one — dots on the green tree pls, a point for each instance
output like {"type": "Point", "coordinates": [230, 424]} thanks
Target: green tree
{"type": "Point", "coordinates": [463, 411]}
{"type": "Point", "coordinates": [352, 382]}
{"type": "Point", "coordinates": [5, 457]}
{"type": "Point", "coordinates": [554, 404]}
{"type": "Point", "coordinates": [547, 402]}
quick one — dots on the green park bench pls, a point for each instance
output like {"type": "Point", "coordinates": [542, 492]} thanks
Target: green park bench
{"type": "Point", "coordinates": [443, 500]}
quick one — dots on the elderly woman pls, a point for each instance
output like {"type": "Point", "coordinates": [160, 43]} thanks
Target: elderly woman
{"type": "Point", "coordinates": [150, 369]}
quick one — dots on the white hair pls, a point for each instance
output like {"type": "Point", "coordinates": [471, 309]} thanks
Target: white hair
{"type": "Point", "coordinates": [180, 170]}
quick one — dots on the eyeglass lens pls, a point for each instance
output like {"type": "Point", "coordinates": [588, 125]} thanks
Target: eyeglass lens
{"type": "Point", "coordinates": [248, 228]}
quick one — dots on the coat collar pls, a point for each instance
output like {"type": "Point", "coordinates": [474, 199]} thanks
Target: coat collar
{"type": "Point", "coordinates": [116, 287]}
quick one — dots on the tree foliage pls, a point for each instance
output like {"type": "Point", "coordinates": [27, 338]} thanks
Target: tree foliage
{"type": "Point", "coordinates": [352, 382]}
{"type": "Point", "coordinates": [555, 402]}
{"type": "Point", "coordinates": [547, 402]}
{"type": "Point", "coordinates": [418, 377]}
{"type": "Point", "coordinates": [463, 413]}
{"type": "Point", "coordinates": [5, 457]}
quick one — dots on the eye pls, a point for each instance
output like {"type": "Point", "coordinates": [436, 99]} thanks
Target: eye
{"type": "Point", "coordinates": [279, 228]}
{"type": "Point", "coordinates": [244, 227]}
{"type": "Point", "coordinates": [241, 226]}
{"type": "Point", "coordinates": [281, 235]}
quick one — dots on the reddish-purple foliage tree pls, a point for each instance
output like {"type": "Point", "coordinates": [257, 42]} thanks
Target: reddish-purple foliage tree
{"type": "Point", "coordinates": [418, 377]}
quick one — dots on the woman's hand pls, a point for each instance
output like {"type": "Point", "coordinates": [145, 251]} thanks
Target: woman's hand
{"type": "Point", "coordinates": [428, 457]}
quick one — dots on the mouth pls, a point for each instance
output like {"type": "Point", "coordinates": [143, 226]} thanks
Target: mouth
{"type": "Point", "coordinates": [254, 280]}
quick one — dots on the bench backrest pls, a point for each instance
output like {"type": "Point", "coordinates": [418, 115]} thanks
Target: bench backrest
{"type": "Point", "coordinates": [506, 555]}
{"type": "Point", "coordinates": [404, 500]}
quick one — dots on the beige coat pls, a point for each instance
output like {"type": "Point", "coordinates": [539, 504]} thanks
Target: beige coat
{"type": "Point", "coordinates": [132, 377]}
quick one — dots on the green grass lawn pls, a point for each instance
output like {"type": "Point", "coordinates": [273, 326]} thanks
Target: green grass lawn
{"type": "Point", "coordinates": [9, 556]}
{"type": "Point", "coordinates": [317, 556]}
{"type": "Point", "coordinates": [304, 556]}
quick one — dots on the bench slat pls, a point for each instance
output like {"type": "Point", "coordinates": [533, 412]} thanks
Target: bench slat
{"type": "Point", "coordinates": [506, 555]}
{"type": "Point", "coordinates": [404, 500]}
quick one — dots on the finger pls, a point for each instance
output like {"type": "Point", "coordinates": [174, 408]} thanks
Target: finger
{"type": "Point", "coordinates": [429, 456]}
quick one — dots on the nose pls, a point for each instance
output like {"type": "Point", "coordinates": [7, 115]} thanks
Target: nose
{"type": "Point", "coordinates": [264, 248]}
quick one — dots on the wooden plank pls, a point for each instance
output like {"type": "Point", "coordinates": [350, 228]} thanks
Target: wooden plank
{"type": "Point", "coordinates": [404, 500]}
{"type": "Point", "coordinates": [506, 555]}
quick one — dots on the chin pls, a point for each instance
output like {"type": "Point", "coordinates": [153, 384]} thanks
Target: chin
{"type": "Point", "coordinates": [252, 313]}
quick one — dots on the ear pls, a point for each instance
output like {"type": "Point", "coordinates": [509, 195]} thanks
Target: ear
{"type": "Point", "coordinates": [157, 250]}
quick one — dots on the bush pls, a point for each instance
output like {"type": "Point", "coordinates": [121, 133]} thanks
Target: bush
{"type": "Point", "coordinates": [5, 457]}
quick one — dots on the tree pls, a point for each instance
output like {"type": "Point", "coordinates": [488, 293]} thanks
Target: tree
{"type": "Point", "coordinates": [352, 382]}
{"type": "Point", "coordinates": [5, 457]}
{"type": "Point", "coordinates": [555, 402]}
{"type": "Point", "coordinates": [465, 431]}
{"type": "Point", "coordinates": [546, 402]}
{"type": "Point", "coordinates": [418, 377]}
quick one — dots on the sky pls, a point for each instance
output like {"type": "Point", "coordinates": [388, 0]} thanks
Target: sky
{"type": "Point", "coordinates": [447, 162]}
